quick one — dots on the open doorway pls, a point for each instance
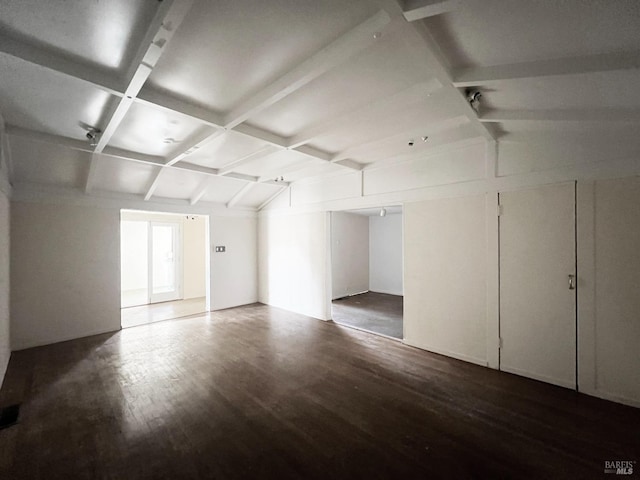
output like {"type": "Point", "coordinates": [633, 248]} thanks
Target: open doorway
{"type": "Point", "coordinates": [366, 269]}
{"type": "Point", "coordinates": [163, 265]}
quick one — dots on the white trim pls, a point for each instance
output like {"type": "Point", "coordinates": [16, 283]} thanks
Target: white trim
{"type": "Point", "coordinates": [53, 339]}
{"type": "Point", "coordinates": [459, 356]}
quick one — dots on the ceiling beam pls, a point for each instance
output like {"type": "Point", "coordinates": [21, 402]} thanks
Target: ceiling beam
{"type": "Point", "coordinates": [82, 145]}
{"type": "Point", "coordinates": [480, 76]}
{"type": "Point", "coordinates": [369, 112]}
{"type": "Point", "coordinates": [167, 19]}
{"type": "Point", "coordinates": [272, 197]}
{"type": "Point", "coordinates": [264, 152]}
{"type": "Point", "coordinates": [53, 61]}
{"type": "Point", "coordinates": [91, 174]}
{"type": "Point", "coordinates": [5, 151]}
{"type": "Point", "coordinates": [200, 191]}
{"type": "Point", "coordinates": [197, 141]}
{"type": "Point", "coordinates": [401, 138]}
{"type": "Point", "coordinates": [418, 9]}
{"type": "Point", "coordinates": [240, 195]}
{"type": "Point", "coordinates": [154, 184]}
{"type": "Point", "coordinates": [596, 115]}
{"type": "Point", "coordinates": [155, 99]}
{"type": "Point", "coordinates": [334, 54]}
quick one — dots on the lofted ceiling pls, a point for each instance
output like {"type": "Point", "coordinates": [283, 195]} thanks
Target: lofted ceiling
{"type": "Point", "coordinates": [231, 101]}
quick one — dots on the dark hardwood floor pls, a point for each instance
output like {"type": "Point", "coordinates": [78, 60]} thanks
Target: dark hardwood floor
{"type": "Point", "coordinates": [257, 392]}
{"type": "Point", "coordinates": [374, 312]}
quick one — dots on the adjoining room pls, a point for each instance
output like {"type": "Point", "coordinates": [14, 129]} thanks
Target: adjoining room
{"type": "Point", "coordinates": [366, 267]}
{"type": "Point", "coordinates": [163, 266]}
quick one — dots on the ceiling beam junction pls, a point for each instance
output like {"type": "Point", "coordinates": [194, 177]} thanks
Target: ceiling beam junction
{"type": "Point", "coordinates": [166, 21]}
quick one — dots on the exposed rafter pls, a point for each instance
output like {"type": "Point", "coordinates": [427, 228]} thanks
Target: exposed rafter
{"type": "Point", "coordinates": [240, 194]}
{"type": "Point", "coordinates": [616, 115]}
{"type": "Point", "coordinates": [168, 18]}
{"type": "Point", "coordinates": [154, 184]}
{"type": "Point", "coordinates": [264, 153]}
{"type": "Point", "coordinates": [362, 148]}
{"type": "Point", "coordinates": [200, 191]}
{"type": "Point", "coordinates": [480, 76]}
{"type": "Point", "coordinates": [5, 151]}
{"type": "Point", "coordinates": [336, 53]}
{"type": "Point", "coordinates": [419, 9]}
{"type": "Point", "coordinates": [91, 174]}
{"type": "Point", "coordinates": [52, 61]}
{"type": "Point", "coordinates": [197, 140]}
{"type": "Point", "coordinates": [411, 95]}
{"type": "Point", "coordinates": [331, 56]}
{"type": "Point", "coordinates": [272, 198]}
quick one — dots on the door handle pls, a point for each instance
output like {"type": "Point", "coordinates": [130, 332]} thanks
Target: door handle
{"type": "Point", "coordinates": [572, 282]}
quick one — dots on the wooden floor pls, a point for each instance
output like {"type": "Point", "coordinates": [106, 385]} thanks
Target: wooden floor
{"type": "Point", "coordinates": [157, 312]}
{"type": "Point", "coordinates": [257, 392]}
{"type": "Point", "coordinates": [374, 312]}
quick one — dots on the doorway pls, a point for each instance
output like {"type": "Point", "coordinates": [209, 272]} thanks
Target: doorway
{"type": "Point", "coordinates": [538, 283]}
{"type": "Point", "coordinates": [366, 269]}
{"type": "Point", "coordinates": [164, 266]}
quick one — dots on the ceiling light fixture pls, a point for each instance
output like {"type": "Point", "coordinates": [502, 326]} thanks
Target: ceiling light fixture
{"type": "Point", "coordinates": [425, 138]}
{"type": "Point", "coordinates": [473, 97]}
{"type": "Point", "coordinates": [383, 212]}
{"type": "Point", "coordinates": [279, 179]}
{"type": "Point", "coordinates": [92, 136]}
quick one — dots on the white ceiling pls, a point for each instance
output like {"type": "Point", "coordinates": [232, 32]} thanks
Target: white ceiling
{"type": "Point", "coordinates": [212, 101]}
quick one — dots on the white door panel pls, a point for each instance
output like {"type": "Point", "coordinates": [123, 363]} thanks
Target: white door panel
{"type": "Point", "coordinates": [537, 305]}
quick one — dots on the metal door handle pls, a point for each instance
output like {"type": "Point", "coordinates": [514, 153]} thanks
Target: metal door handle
{"type": "Point", "coordinates": [572, 282]}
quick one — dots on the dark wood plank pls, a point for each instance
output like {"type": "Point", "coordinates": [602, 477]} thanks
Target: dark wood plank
{"type": "Point", "coordinates": [258, 392]}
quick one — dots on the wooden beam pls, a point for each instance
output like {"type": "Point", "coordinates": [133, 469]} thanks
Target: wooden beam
{"type": "Point", "coordinates": [5, 151]}
{"type": "Point", "coordinates": [155, 99]}
{"type": "Point", "coordinates": [601, 115]}
{"type": "Point", "coordinates": [336, 53]}
{"type": "Point", "coordinates": [418, 9]}
{"type": "Point", "coordinates": [91, 174]}
{"type": "Point", "coordinates": [154, 184]}
{"type": "Point", "coordinates": [240, 194]}
{"type": "Point", "coordinates": [361, 149]}
{"type": "Point", "coordinates": [272, 197]}
{"type": "Point", "coordinates": [200, 191]}
{"type": "Point", "coordinates": [264, 152]}
{"type": "Point", "coordinates": [366, 113]}
{"type": "Point", "coordinates": [50, 60]}
{"type": "Point", "coordinates": [167, 19]}
{"type": "Point", "coordinates": [196, 141]}
{"type": "Point", "coordinates": [480, 76]}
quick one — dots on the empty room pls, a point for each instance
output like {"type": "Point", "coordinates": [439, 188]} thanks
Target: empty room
{"type": "Point", "coordinates": [299, 239]}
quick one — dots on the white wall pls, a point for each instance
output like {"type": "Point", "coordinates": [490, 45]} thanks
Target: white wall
{"type": "Point", "coordinates": [445, 277]}
{"type": "Point", "coordinates": [65, 276]}
{"type": "Point", "coordinates": [609, 288]}
{"type": "Point", "coordinates": [5, 347]}
{"type": "Point", "coordinates": [464, 182]}
{"type": "Point", "coordinates": [234, 274]}
{"type": "Point", "coordinates": [349, 254]}
{"type": "Point", "coordinates": [385, 254]}
{"type": "Point", "coordinates": [294, 263]}
{"type": "Point", "coordinates": [66, 266]}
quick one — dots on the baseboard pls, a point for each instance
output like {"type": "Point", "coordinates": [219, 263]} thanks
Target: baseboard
{"type": "Point", "coordinates": [458, 356]}
{"type": "Point", "coordinates": [50, 341]}
{"type": "Point", "coordinates": [631, 402]}
{"type": "Point", "coordinates": [387, 292]}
